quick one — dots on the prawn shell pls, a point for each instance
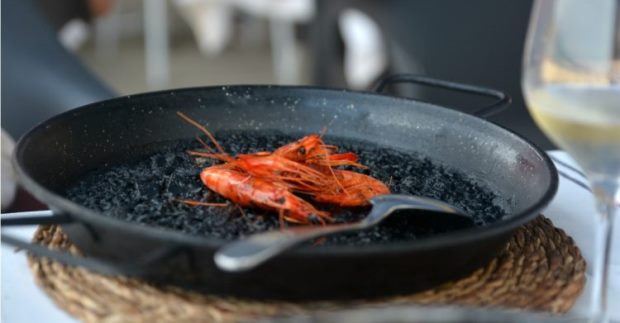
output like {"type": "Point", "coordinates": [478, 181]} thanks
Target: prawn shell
{"type": "Point", "coordinates": [358, 190]}
{"type": "Point", "coordinates": [249, 191]}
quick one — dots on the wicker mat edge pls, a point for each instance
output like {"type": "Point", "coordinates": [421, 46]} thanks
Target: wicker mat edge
{"type": "Point", "coordinates": [540, 269]}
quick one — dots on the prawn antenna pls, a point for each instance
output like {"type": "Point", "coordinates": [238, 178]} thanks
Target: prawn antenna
{"type": "Point", "coordinates": [203, 129]}
{"type": "Point", "coordinates": [324, 129]}
{"type": "Point", "coordinates": [204, 144]}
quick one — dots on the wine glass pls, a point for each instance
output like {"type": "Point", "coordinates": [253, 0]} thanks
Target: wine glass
{"type": "Point", "coordinates": [571, 82]}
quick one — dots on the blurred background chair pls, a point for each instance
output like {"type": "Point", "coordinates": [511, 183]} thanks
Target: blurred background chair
{"type": "Point", "coordinates": [479, 42]}
{"type": "Point", "coordinates": [40, 78]}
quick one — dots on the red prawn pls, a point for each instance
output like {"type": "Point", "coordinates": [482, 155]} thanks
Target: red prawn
{"type": "Point", "coordinates": [239, 180]}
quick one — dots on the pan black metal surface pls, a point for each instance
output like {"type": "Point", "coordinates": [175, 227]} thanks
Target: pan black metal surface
{"type": "Point", "coordinates": [59, 151]}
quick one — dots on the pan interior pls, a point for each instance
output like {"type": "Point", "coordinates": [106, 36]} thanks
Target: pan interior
{"type": "Point", "coordinates": [147, 190]}
{"type": "Point", "coordinates": [62, 150]}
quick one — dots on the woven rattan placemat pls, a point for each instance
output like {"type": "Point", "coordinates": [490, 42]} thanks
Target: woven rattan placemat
{"type": "Point", "coordinates": [540, 269]}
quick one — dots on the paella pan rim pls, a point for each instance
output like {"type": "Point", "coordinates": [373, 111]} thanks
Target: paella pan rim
{"type": "Point", "coordinates": [59, 203]}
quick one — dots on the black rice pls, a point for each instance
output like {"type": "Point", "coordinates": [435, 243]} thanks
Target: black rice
{"type": "Point", "coordinates": [145, 191]}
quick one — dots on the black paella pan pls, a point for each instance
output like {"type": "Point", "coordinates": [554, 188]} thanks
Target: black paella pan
{"type": "Point", "coordinates": [59, 151]}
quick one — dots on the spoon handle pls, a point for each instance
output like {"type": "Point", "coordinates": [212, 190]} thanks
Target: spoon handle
{"type": "Point", "coordinates": [253, 251]}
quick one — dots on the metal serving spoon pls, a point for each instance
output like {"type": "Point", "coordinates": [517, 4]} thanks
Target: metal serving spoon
{"type": "Point", "coordinates": [251, 252]}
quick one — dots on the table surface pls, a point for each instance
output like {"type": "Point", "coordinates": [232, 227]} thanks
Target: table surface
{"type": "Point", "coordinates": [572, 209]}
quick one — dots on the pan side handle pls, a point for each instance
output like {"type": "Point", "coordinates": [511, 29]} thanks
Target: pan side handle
{"type": "Point", "coordinates": [135, 268]}
{"type": "Point", "coordinates": [502, 100]}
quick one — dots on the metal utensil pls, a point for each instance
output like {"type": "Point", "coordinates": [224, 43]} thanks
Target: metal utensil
{"type": "Point", "coordinates": [257, 249]}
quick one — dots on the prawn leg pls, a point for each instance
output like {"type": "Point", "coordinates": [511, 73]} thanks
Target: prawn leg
{"type": "Point", "coordinates": [200, 203]}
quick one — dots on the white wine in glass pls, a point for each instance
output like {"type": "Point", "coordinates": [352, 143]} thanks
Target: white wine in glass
{"type": "Point", "coordinates": [593, 138]}
{"type": "Point", "coordinates": [571, 82]}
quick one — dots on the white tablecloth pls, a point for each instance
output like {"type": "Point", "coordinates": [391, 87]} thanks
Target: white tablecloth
{"type": "Point", "coordinates": [572, 210]}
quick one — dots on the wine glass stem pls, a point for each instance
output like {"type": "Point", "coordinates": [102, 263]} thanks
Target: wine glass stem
{"type": "Point", "coordinates": [606, 205]}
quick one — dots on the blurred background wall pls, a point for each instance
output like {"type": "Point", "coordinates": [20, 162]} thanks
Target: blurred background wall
{"type": "Point", "coordinates": [138, 45]}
